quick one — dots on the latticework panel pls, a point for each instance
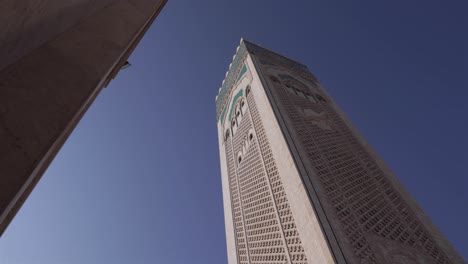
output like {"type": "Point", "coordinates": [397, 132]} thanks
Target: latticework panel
{"type": "Point", "coordinates": [258, 206]}
{"type": "Point", "coordinates": [363, 199]}
{"type": "Point", "coordinates": [239, 230]}
{"type": "Point", "coordinates": [291, 235]}
{"type": "Point", "coordinates": [264, 227]}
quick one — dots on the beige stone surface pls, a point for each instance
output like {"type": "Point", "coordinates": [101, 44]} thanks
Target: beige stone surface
{"type": "Point", "coordinates": [227, 203]}
{"type": "Point", "coordinates": [44, 94]}
{"type": "Point", "coordinates": [312, 237]}
{"type": "Point", "coordinates": [27, 24]}
{"type": "Point", "coordinates": [312, 190]}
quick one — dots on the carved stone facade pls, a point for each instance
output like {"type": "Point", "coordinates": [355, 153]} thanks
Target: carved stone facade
{"type": "Point", "coordinates": [300, 184]}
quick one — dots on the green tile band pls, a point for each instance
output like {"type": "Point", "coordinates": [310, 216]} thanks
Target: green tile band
{"type": "Point", "coordinates": [239, 94]}
{"type": "Point", "coordinates": [242, 72]}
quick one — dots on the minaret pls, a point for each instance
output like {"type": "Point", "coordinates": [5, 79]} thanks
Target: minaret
{"type": "Point", "coordinates": [300, 183]}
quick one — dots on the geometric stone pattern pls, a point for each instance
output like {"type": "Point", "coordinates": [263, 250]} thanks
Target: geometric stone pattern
{"type": "Point", "coordinates": [359, 212]}
{"type": "Point", "coordinates": [362, 199]}
{"type": "Point", "coordinates": [265, 231]}
{"type": "Point", "coordinates": [291, 236]}
{"type": "Point", "coordinates": [229, 81]}
{"type": "Point", "coordinates": [236, 65]}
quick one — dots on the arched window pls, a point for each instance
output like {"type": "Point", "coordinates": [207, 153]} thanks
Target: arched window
{"type": "Point", "coordinates": [274, 79]}
{"type": "Point", "coordinates": [234, 125]}
{"type": "Point", "coordinates": [320, 98]}
{"type": "Point", "coordinates": [243, 106]}
{"type": "Point", "coordinates": [310, 97]}
{"type": "Point", "coordinates": [300, 93]}
{"type": "Point", "coordinates": [239, 114]}
{"type": "Point", "coordinates": [247, 90]}
{"type": "Point", "coordinates": [226, 135]}
{"type": "Point", "coordinates": [290, 88]}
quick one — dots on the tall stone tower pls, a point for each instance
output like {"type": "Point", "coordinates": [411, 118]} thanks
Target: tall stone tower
{"type": "Point", "coordinates": [55, 57]}
{"type": "Point", "coordinates": [300, 184]}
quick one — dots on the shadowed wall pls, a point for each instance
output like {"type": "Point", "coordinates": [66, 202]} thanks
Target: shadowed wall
{"type": "Point", "coordinates": [55, 57]}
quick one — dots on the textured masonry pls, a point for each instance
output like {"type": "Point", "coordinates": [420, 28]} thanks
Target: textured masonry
{"type": "Point", "coordinates": [300, 184]}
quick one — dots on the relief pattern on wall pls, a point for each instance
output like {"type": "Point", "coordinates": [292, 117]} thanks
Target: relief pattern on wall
{"type": "Point", "coordinates": [370, 215]}
{"type": "Point", "coordinates": [265, 230]}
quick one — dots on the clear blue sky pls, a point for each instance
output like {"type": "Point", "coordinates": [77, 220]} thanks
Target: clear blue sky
{"type": "Point", "coordinates": [138, 181]}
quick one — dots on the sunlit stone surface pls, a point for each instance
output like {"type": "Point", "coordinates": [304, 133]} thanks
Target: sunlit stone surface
{"type": "Point", "coordinates": [300, 184]}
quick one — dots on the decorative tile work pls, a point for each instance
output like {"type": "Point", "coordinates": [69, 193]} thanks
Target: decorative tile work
{"type": "Point", "coordinates": [237, 212]}
{"type": "Point", "coordinates": [288, 226]}
{"type": "Point", "coordinates": [365, 214]}
{"type": "Point", "coordinates": [236, 97]}
{"type": "Point", "coordinates": [223, 114]}
{"type": "Point", "coordinates": [235, 71]}
{"type": "Point", "coordinates": [366, 205]}
{"type": "Point", "coordinates": [265, 228]}
{"type": "Point", "coordinates": [230, 79]}
{"type": "Point", "coordinates": [242, 72]}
